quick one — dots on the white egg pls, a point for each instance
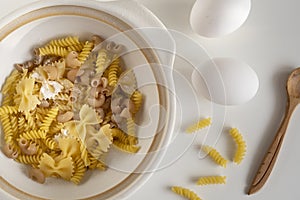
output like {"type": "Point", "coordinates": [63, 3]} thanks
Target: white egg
{"type": "Point", "coordinates": [214, 18]}
{"type": "Point", "coordinates": [225, 81]}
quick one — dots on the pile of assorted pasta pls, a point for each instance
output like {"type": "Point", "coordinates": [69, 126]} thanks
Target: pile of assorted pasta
{"type": "Point", "coordinates": [62, 110]}
{"type": "Point", "coordinates": [215, 156]}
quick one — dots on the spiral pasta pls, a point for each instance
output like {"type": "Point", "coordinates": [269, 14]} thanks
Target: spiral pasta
{"type": "Point", "coordinates": [199, 125]}
{"type": "Point", "coordinates": [240, 143]}
{"type": "Point", "coordinates": [126, 147]}
{"type": "Point", "coordinates": [215, 155]}
{"type": "Point", "coordinates": [113, 71]}
{"type": "Point", "coordinates": [102, 61]}
{"type": "Point", "coordinates": [207, 180]}
{"type": "Point", "coordinates": [189, 194]}
{"type": "Point", "coordinates": [45, 125]}
{"type": "Point", "coordinates": [137, 99]}
{"type": "Point", "coordinates": [87, 48]}
{"type": "Point", "coordinates": [66, 42]}
{"type": "Point", "coordinates": [53, 51]}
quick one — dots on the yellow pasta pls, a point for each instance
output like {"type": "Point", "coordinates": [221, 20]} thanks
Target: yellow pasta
{"type": "Point", "coordinates": [199, 125]}
{"type": "Point", "coordinates": [189, 194]}
{"type": "Point", "coordinates": [215, 155]}
{"type": "Point", "coordinates": [126, 148]}
{"type": "Point", "coordinates": [113, 71]}
{"type": "Point", "coordinates": [207, 180]}
{"type": "Point", "coordinates": [53, 51]}
{"type": "Point", "coordinates": [102, 61]}
{"type": "Point", "coordinates": [137, 99]}
{"type": "Point", "coordinates": [87, 48]}
{"type": "Point", "coordinates": [51, 116]}
{"type": "Point", "coordinates": [35, 102]}
{"type": "Point", "coordinates": [240, 143]}
{"type": "Point", "coordinates": [34, 134]}
{"type": "Point", "coordinates": [78, 171]}
{"type": "Point", "coordinates": [66, 42]}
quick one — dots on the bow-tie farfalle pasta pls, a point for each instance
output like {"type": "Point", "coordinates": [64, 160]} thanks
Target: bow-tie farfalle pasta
{"type": "Point", "coordinates": [60, 110]}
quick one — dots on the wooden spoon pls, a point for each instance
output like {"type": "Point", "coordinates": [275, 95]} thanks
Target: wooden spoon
{"type": "Point", "coordinates": [264, 171]}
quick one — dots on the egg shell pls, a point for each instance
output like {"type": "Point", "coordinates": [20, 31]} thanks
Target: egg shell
{"type": "Point", "coordinates": [225, 81]}
{"type": "Point", "coordinates": [215, 18]}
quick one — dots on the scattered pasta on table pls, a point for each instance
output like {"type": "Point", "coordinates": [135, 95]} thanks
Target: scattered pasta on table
{"type": "Point", "coordinates": [240, 145]}
{"type": "Point", "coordinates": [63, 110]}
{"type": "Point", "coordinates": [201, 124]}
{"type": "Point", "coordinates": [208, 180]}
{"type": "Point", "coordinates": [184, 192]}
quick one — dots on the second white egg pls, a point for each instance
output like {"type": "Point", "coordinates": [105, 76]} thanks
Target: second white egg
{"type": "Point", "coordinates": [226, 81]}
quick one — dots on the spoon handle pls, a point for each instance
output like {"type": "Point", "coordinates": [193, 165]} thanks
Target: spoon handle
{"type": "Point", "coordinates": [268, 162]}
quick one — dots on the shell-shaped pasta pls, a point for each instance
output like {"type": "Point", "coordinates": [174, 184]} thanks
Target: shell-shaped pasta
{"type": "Point", "coordinates": [207, 180]}
{"type": "Point", "coordinates": [78, 171]}
{"type": "Point", "coordinates": [189, 194]}
{"type": "Point", "coordinates": [215, 155]}
{"type": "Point", "coordinates": [53, 51]}
{"type": "Point", "coordinates": [125, 147]}
{"type": "Point", "coordinates": [199, 125]}
{"type": "Point", "coordinates": [87, 48]}
{"type": "Point", "coordinates": [34, 134]}
{"type": "Point", "coordinates": [66, 42]}
{"type": "Point", "coordinates": [113, 71]}
{"type": "Point", "coordinates": [241, 145]}
{"type": "Point", "coordinates": [137, 99]}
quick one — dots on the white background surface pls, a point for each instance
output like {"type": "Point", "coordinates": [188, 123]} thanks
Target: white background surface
{"type": "Point", "coordinates": [269, 42]}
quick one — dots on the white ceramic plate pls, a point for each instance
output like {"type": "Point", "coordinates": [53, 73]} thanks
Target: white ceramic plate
{"type": "Point", "coordinates": [36, 24]}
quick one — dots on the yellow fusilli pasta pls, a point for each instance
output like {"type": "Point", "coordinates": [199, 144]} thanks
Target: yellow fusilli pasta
{"type": "Point", "coordinates": [79, 171]}
{"type": "Point", "coordinates": [102, 61]}
{"type": "Point", "coordinates": [66, 42]}
{"type": "Point", "coordinates": [199, 125]}
{"type": "Point", "coordinates": [87, 48]}
{"type": "Point", "coordinates": [207, 180]}
{"type": "Point", "coordinates": [125, 147]}
{"type": "Point", "coordinates": [137, 99]}
{"type": "Point", "coordinates": [53, 51]}
{"type": "Point", "coordinates": [215, 155]}
{"type": "Point", "coordinates": [50, 117]}
{"type": "Point", "coordinates": [189, 194]}
{"type": "Point", "coordinates": [240, 143]}
{"type": "Point", "coordinates": [113, 71]}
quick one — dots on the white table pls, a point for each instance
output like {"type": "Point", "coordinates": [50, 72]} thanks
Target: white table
{"type": "Point", "coordinates": [269, 42]}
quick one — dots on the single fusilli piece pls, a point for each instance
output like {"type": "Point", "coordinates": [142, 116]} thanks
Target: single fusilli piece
{"type": "Point", "coordinates": [33, 160]}
{"type": "Point", "coordinates": [126, 148]}
{"type": "Point", "coordinates": [241, 145]}
{"type": "Point", "coordinates": [207, 180]}
{"type": "Point", "coordinates": [66, 42]}
{"type": "Point", "coordinates": [137, 99]}
{"type": "Point", "coordinates": [10, 82]}
{"type": "Point", "coordinates": [113, 71]}
{"type": "Point", "coordinates": [102, 61]}
{"type": "Point", "coordinates": [189, 194]}
{"type": "Point", "coordinates": [79, 170]}
{"type": "Point", "coordinates": [215, 155]}
{"type": "Point", "coordinates": [53, 51]}
{"type": "Point", "coordinates": [199, 125]}
{"type": "Point", "coordinates": [50, 142]}
{"type": "Point", "coordinates": [77, 47]}
{"type": "Point", "coordinates": [87, 48]}
{"type": "Point", "coordinates": [5, 110]}
{"type": "Point", "coordinates": [130, 127]}
{"type": "Point", "coordinates": [122, 137]}
{"type": "Point", "coordinates": [51, 116]}
{"type": "Point", "coordinates": [34, 134]}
